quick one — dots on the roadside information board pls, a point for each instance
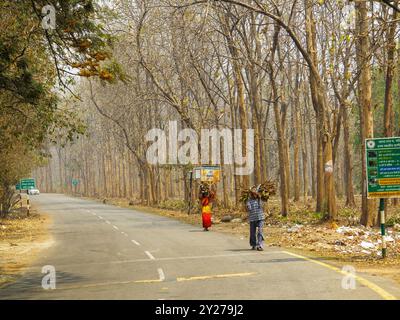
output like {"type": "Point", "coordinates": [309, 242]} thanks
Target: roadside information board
{"type": "Point", "coordinates": [383, 167]}
{"type": "Point", "coordinates": [210, 174]}
{"type": "Point", "coordinates": [207, 173]}
{"type": "Point", "coordinates": [25, 184]}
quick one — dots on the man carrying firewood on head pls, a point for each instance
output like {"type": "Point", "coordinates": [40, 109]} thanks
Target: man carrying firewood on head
{"type": "Point", "coordinates": [256, 219]}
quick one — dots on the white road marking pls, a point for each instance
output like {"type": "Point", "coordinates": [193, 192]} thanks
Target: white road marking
{"type": "Point", "coordinates": [135, 242]}
{"type": "Point", "coordinates": [115, 227]}
{"type": "Point", "coordinates": [263, 253]}
{"type": "Point", "coordinates": [100, 217]}
{"type": "Point", "coordinates": [108, 222]}
{"type": "Point", "coordinates": [161, 274]}
{"type": "Point", "coordinates": [149, 255]}
{"type": "Point", "coordinates": [124, 233]}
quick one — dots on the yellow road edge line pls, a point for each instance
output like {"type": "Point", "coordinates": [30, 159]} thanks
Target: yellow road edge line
{"type": "Point", "coordinates": [382, 292]}
{"type": "Point", "coordinates": [148, 281]}
{"type": "Point", "coordinates": [228, 275]}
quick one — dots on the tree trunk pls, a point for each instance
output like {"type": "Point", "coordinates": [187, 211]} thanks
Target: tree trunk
{"type": "Point", "coordinates": [368, 215]}
{"type": "Point", "coordinates": [326, 195]}
{"type": "Point", "coordinates": [350, 201]}
{"type": "Point", "coordinates": [297, 145]}
{"type": "Point", "coordinates": [388, 105]}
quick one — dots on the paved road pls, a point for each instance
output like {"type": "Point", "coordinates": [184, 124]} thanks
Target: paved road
{"type": "Point", "coordinates": [105, 252]}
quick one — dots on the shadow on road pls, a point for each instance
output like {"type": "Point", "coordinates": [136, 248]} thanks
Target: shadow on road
{"type": "Point", "coordinates": [283, 260]}
{"type": "Point", "coordinates": [32, 281]}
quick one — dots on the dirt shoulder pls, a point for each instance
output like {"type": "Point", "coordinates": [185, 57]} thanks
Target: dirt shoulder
{"type": "Point", "coordinates": [21, 240]}
{"type": "Point", "coordinates": [340, 243]}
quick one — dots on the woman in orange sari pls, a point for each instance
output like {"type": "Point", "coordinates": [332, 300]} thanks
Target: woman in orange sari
{"type": "Point", "coordinates": [206, 197]}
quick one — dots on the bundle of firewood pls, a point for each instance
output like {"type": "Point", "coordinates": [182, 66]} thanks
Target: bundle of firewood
{"type": "Point", "coordinates": [207, 189]}
{"type": "Point", "coordinates": [262, 191]}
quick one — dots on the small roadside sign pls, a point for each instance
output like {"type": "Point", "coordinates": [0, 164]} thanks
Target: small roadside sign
{"type": "Point", "coordinates": [383, 167]}
{"type": "Point", "coordinates": [75, 182]}
{"type": "Point", "coordinates": [25, 184]}
{"type": "Point", "coordinates": [208, 173]}
{"type": "Point", "coordinates": [197, 173]}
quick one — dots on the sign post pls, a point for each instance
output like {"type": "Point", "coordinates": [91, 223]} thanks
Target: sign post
{"type": "Point", "coordinates": [75, 183]}
{"type": "Point", "coordinates": [383, 231]}
{"type": "Point", "coordinates": [190, 176]}
{"type": "Point", "coordinates": [28, 207]}
{"type": "Point", "coordinates": [383, 174]}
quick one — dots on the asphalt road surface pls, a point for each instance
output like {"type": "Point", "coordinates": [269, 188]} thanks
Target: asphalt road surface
{"type": "Point", "coordinates": [106, 252]}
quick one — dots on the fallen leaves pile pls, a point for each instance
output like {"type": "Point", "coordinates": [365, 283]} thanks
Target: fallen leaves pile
{"type": "Point", "coordinates": [344, 240]}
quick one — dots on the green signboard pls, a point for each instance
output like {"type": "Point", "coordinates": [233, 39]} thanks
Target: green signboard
{"type": "Point", "coordinates": [383, 167]}
{"type": "Point", "coordinates": [25, 184]}
{"type": "Point", "coordinates": [75, 182]}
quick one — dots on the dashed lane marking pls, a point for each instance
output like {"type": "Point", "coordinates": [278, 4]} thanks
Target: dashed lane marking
{"type": "Point", "coordinates": [161, 274]}
{"type": "Point", "coordinates": [149, 255]}
{"type": "Point", "coordinates": [115, 227]}
{"type": "Point", "coordinates": [135, 242]}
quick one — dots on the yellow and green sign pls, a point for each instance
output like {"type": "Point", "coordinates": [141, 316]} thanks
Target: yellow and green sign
{"type": "Point", "coordinates": [383, 167]}
{"type": "Point", "coordinates": [207, 173]}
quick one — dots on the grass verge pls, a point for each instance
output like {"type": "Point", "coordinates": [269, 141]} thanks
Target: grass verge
{"type": "Point", "coordinates": [21, 240]}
